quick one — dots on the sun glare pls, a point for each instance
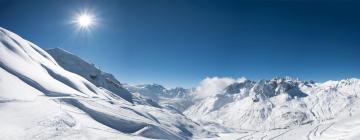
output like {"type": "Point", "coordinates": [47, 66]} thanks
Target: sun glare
{"type": "Point", "coordinates": [85, 20]}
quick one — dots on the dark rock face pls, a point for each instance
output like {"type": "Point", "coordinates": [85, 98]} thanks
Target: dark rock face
{"type": "Point", "coordinates": [236, 87]}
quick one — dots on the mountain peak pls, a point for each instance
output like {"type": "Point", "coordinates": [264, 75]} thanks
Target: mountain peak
{"type": "Point", "coordinates": [89, 71]}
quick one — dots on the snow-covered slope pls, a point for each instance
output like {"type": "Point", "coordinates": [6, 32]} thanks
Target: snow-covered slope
{"type": "Point", "coordinates": [274, 104]}
{"type": "Point", "coordinates": [99, 78]}
{"type": "Point", "coordinates": [41, 100]}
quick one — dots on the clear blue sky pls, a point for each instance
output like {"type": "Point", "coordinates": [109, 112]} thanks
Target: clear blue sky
{"type": "Point", "coordinates": [178, 43]}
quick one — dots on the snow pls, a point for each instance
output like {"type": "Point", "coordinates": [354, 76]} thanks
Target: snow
{"type": "Point", "coordinates": [295, 107]}
{"type": "Point", "coordinates": [331, 130]}
{"type": "Point", "coordinates": [97, 77]}
{"type": "Point", "coordinates": [41, 100]}
{"type": "Point", "coordinates": [286, 108]}
{"type": "Point", "coordinates": [178, 99]}
{"type": "Point", "coordinates": [58, 95]}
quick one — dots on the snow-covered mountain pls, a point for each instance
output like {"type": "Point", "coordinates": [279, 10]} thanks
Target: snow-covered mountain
{"type": "Point", "coordinates": [275, 104]}
{"type": "Point", "coordinates": [39, 99]}
{"type": "Point", "coordinates": [280, 108]}
{"type": "Point", "coordinates": [91, 73]}
{"type": "Point", "coordinates": [269, 109]}
{"type": "Point", "coordinates": [176, 98]}
{"type": "Point", "coordinates": [156, 91]}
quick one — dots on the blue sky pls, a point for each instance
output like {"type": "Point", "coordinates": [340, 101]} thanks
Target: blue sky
{"type": "Point", "coordinates": [180, 42]}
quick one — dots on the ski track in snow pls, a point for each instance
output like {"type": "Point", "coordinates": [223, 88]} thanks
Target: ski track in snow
{"type": "Point", "coordinates": [280, 134]}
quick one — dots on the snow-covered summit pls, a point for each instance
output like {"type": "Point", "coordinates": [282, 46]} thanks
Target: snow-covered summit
{"type": "Point", "coordinates": [156, 91]}
{"type": "Point", "coordinates": [176, 98]}
{"type": "Point", "coordinates": [91, 73]}
{"type": "Point", "coordinates": [269, 88]}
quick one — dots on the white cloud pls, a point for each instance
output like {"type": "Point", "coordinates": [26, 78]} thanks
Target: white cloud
{"type": "Point", "coordinates": [211, 86]}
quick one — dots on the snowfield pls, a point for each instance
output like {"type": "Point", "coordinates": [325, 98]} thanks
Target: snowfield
{"type": "Point", "coordinates": [54, 94]}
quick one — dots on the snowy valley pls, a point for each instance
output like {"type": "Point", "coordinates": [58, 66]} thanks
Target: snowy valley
{"type": "Point", "coordinates": [54, 94]}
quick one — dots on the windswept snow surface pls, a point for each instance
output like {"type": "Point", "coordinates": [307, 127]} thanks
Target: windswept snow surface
{"type": "Point", "coordinates": [41, 100]}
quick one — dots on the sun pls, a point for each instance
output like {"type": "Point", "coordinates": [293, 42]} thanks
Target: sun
{"type": "Point", "coordinates": [85, 20]}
